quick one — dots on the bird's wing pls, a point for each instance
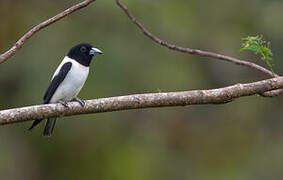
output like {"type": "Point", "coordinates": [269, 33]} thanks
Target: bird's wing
{"type": "Point", "coordinates": [56, 81]}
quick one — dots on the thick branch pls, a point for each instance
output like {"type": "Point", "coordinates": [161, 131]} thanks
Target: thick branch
{"type": "Point", "coordinates": [139, 101]}
{"type": "Point", "coordinates": [40, 26]}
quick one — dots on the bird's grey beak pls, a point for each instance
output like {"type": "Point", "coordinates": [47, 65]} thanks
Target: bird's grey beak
{"type": "Point", "coordinates": [94, 51]}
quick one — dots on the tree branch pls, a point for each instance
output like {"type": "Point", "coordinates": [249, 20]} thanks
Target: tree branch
{"type": "Point", "coordinates": [193, 51]}
{"type": "Point", "coordinates": [139, 101]}
{"type": "Point", "coordinates": [201, 52]}
{"type": "Point", "coordinates": [25, 37]}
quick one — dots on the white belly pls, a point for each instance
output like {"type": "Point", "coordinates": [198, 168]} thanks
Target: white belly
{"type": "Point", "coordinates": [73, 82]}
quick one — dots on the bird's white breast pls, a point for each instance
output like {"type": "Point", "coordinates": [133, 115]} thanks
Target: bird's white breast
{"type": "Point", "coordinates": [73, 82]}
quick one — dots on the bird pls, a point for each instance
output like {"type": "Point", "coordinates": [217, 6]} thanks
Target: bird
{"type": "Point", "coordinates": [68, 80]}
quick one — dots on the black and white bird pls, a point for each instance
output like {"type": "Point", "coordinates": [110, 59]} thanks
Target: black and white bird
{"type": "Point", "coordinates": [68, 80]}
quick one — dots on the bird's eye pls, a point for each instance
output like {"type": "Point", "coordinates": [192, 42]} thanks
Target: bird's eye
{"type": "Point", "coordinates": [83, 49]}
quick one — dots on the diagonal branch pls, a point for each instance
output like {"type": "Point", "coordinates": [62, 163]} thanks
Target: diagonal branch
{"type": "Point", "coordinates": [35, 29]}
{"type": "Point", "coordinates": [140, 101]}
{"type": "Point", "coordinates": [194, 51]}
{"type": "Point", "coordinates": [202, 53]}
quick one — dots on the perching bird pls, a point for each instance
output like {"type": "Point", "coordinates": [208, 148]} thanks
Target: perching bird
{"type": "Point", "coordinates": [68, 80]}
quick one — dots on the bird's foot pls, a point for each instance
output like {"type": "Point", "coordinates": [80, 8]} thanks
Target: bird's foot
{"type": "Point", "coordinates": [82, 103]}
{"type": "Point", "coordinates": [64, 103]}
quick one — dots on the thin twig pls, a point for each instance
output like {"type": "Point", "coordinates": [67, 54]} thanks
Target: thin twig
{"type": "Point", "coordinates": [193, 51]}
{"type": "Point", "coordinates": [25, 37]}
{"type": "Point", "coordinates": [139, 101]}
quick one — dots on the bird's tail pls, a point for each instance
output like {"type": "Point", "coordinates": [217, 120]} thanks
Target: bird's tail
{"type": "Point", "coordinates": [35, 122]}
{"type": "Point", "coordinates": [49, 126]}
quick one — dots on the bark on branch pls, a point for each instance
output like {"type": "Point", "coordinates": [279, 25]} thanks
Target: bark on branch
{"type": "Point", "coordinates": [139, 101]}
{"type": "Point", "coordinates": [35, 29]}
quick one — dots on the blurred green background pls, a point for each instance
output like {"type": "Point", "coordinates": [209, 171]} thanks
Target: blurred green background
{"type": "Point", "coordinates": [239, 140]}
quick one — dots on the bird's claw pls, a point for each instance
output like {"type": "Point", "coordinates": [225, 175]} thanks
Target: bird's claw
{"type": "Point", "coordinates": [64, 103]}
{"type": "Point", "coordinates": [81, 102]}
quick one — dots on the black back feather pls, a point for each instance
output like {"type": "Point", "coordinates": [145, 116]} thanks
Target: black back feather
{"type": "Point", "coordinates": [56, 81]}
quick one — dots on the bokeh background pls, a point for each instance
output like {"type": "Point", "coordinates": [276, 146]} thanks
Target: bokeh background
{"type": "Point", "coordinates": [239, 140]}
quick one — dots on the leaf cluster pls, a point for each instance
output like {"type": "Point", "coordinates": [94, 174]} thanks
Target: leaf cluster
{"type": "Point", "coordinates": [258, 45]}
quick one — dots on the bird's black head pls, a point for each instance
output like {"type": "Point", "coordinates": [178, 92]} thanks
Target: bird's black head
{"type": "Point", "coordinates": [83, 53]}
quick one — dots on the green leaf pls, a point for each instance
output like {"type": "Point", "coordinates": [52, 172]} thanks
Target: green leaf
{"type": "Point", "coordinates": [258, 45]}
